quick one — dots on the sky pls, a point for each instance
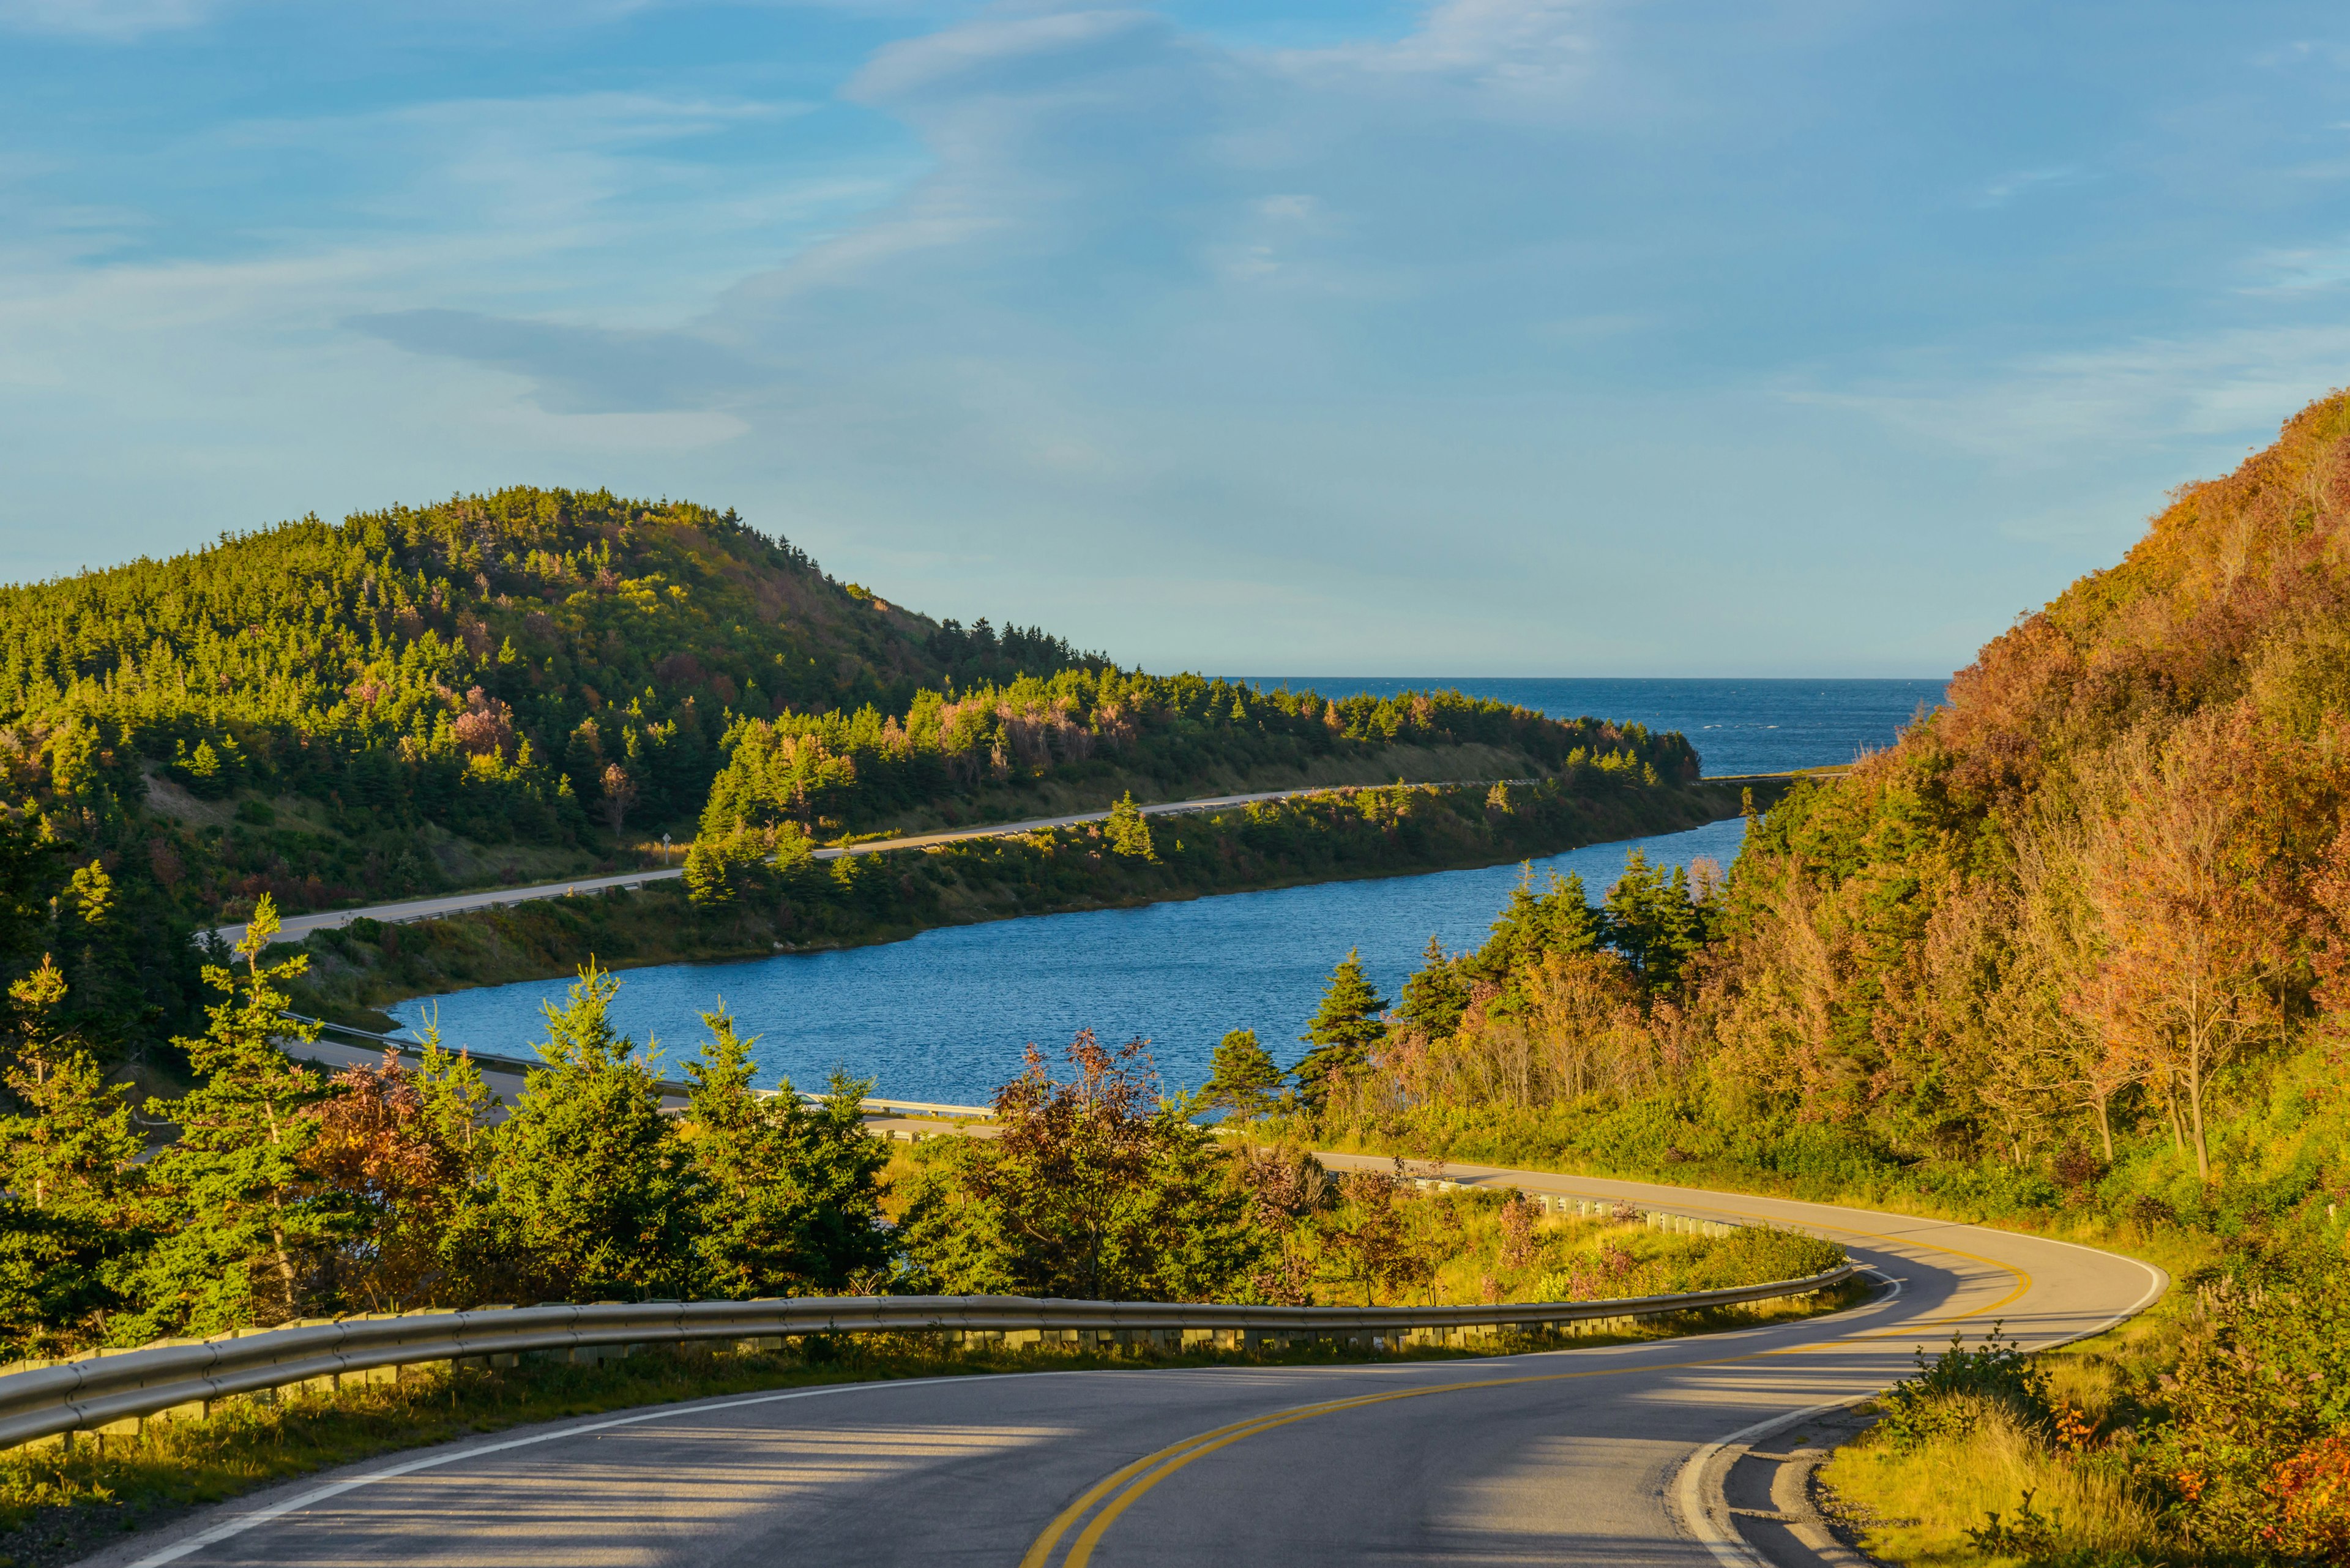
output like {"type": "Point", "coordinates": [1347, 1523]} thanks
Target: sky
{"type": "Point", "coordinates": [1484, 337]}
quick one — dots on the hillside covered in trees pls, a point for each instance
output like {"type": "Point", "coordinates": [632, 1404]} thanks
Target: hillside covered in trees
{"type": "Point", "coordinates": [538, 684]}
{"type": "Point", "coordinates": [2074, 953]}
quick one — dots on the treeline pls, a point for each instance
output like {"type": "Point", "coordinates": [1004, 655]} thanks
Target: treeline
{"type": "Point", "coordinates": [772, 874]}
{"type": "Point", "coordinates": [743, 896]}
{"type": "Point", "coordinates": [284, 1192]}
{"type": "Point", "coordinates": [2074, 950]}
{"type": "Point", "coordinates": [845, 770]}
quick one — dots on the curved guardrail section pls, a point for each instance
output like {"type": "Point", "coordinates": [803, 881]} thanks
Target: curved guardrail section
{"type": "Point", "coordinates": [100, 1391]}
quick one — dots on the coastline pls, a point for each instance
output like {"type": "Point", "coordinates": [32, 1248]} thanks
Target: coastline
{"type": "Point", "coordinates": [975, 882]}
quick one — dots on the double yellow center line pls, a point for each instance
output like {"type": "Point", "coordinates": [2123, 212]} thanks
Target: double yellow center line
{"type": "Point", "coordinates": [1127, 1484]}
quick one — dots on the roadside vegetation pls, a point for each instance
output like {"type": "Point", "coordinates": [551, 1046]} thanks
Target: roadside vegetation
{"type": "Point", "coordinates": [280, 1194]}
{"type": "Point", "coordinates": [2072, 956]}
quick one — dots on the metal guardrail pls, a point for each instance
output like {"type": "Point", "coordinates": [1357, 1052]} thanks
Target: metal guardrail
{"type": "Point", "coordinates": [183, 1377]}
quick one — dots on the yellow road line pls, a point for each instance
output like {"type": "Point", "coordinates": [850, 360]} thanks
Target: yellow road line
{"type": "Point", "coordinates": [1159, 1465]}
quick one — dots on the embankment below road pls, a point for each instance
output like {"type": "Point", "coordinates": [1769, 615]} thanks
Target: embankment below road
{"type": "Point", "coordinates": [1398, 830]}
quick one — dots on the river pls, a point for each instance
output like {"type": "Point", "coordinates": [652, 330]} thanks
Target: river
{"type": "Point", "coordinates": [945, 1015]}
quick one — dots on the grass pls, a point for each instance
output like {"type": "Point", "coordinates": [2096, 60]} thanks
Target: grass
{"type": "Point", "coordinates": [61, 1502]}
{"type": "Point", "coordinates": [1930, 1506]}
{"type": "Point", "coordinates": [1927, 1507]}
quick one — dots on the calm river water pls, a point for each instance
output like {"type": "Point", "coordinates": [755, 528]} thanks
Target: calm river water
{"type": "Point", "coordinates": [944, 1016]}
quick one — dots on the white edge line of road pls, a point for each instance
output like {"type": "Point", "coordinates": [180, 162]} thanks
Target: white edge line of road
{"type": "Point", "coordinates": [1693, 1496]}
{"type": "Point", "coordinates": [1732, 1552]}
{"type": "Point", "coordinates": [241, 1522]}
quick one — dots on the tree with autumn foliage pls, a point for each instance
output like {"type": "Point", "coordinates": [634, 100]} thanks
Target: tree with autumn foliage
{"type": "Point", "coordinates": [1094, 1188]}
{"type": "Point", "coordinates": [402, 1151]}
{"type": "Point", "coordinates": [2198, 909]}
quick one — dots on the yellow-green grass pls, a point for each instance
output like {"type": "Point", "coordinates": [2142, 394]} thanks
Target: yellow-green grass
{"type": "Point", "coordinates": [1916, 1509]}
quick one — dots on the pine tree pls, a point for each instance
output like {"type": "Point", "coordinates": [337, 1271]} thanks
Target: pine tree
{"type": "Point", "coordinates": [595, 1193]}
{"type": "Point", "coordinates": [241, 1236]}
{"type": "Point", "coordinates": [1343, 1029]}
{"type": "Point", "coordinates": [1436, 995]}
{"type": "Point", "coordinates": [1242, 1078]}
{"type": "Point", "coordinates": [1129, 831]}
{"type": "Point", "coordinates": [790, 1194]}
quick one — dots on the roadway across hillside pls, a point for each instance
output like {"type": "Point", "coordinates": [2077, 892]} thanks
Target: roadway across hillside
{"type": "Point", "coordinates": [1577, 1456]}
{"type": "Point", "coordinates": [295, 926]}
{"type": "Point", "coordinates": [405, 911]}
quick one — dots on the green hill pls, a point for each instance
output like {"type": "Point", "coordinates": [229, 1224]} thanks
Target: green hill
{"type": "Point", "coordinates": [540, 683]}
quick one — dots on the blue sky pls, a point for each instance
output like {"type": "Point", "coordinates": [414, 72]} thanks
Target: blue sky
{"type": "Point", "coordinates": [1489, 337]}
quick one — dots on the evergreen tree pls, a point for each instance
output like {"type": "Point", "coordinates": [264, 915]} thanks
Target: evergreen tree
{"type": "Point", "coordinates": [790, 1194]}
{"type": "Point", "coordinates": [595, 1194]}
{"type": "Point", "coordinates": [1129, 831]}
{"type": "Point", "coordinates": [1559, 919]}
{"type": "Point", "coordinates": [1436, 995]}
{"type": "Point", "coordinates": [67, 1221]}
{"type": "Point", "coordinates": [29, 859]}
{"type": "Point", "coordinates": [1342, 1033]}
{"type": "Point", "coordinates": [241, 1232]}
{"type": "Point", "coordinates": [1242, 1078]}
{"type": "Point", "coordinates": [71, 1149]}
{"type": "Point", "coordinates": [1653, 921]}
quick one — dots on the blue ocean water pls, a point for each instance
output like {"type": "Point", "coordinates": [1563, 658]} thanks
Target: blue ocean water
{"type": "Point", "coordinates": [1737, 726]}
{"type": "Point", "coordinates": [945, 1015]}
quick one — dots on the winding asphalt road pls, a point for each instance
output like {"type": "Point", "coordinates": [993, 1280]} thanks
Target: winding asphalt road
{"type": "Point", "coordinates": [1571, 1457]}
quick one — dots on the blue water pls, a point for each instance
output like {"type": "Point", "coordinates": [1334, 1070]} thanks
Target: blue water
{"type": "Point", "coordinates": [944, 1016]}
{"type": "Point", "coordinates": [1737, 726]}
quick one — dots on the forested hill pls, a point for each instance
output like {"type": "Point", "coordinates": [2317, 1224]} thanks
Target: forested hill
{"type": "Point", "coordinates": [537, 683]}
{"type": "Point", "coordinates": [2081, 937]}
{"type": "Point", "coordinates": [488, 624]}
{"type": "Point", "coordinates": [2105, 885]}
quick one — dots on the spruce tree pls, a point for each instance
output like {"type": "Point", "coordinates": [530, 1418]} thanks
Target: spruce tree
{"type": "Point", "coordinates": [789, 1193]}
{"type": "Point", "coordinates": [243, 1232]}
{"type": "Point", "coordinates": [71, 1149]}
{"type": "Point", "coordinates": [1129, 831]}
{"type": "Point", "coordinates": [1242, 1078]}
{"type": "Point", "coordinates": [1653, 921]}
{"type": "Point", "coordinates": [1342, 1033]}
{"type": "Point", "coordinates": [595, 1193]}
{"type": "Point", "coordinates": [1436, 995]}
{"type": "Point", "coordinates": [67, 1220]}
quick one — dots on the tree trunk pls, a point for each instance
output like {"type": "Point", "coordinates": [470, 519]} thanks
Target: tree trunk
{"type": "Point", "coordinates": [2195, 1108]}
{"type": "Point", "coordinates": [2106, 1124]}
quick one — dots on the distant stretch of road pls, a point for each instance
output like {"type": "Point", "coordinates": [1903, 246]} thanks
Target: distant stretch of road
{"type": "Point", "coordinates": [295, 926]}
{"type": "Point", "coordinates": [1576, 1457]}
